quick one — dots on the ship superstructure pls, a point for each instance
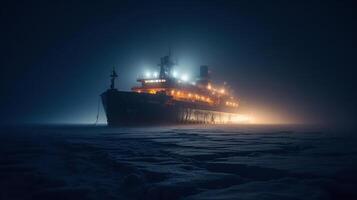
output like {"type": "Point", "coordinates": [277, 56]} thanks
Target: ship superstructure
{"type": "Point", "coordinates": [164, 98]}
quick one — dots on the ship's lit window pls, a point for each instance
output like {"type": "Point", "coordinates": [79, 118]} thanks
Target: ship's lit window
{"type": "Point", "coordinates": [155, 81]}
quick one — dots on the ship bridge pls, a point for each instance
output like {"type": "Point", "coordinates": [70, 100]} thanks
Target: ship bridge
{"type": "Point", "coordinates": [203, 91]}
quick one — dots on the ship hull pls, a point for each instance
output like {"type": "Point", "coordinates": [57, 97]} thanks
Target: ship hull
{"type": "Point", "coordinates": [131, 108]}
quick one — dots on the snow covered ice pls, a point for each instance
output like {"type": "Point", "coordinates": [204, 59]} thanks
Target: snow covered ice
{"type": "Point", "coordinates": [183, 162]}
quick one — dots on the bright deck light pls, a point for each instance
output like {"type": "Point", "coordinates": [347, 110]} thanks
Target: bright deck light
{"type": "Point", "coordinates": [184, 77]}
{"type": "Point", "coordinates": [147, 74]}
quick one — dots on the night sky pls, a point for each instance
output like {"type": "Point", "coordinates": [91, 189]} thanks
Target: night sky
{"type": "Point", "coordinates": [289, 60]}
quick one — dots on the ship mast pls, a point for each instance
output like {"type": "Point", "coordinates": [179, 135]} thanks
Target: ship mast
{"type": "Point", "coordinates": [112, 80]}
{"type": "Point", "coordinates": [166, 65]}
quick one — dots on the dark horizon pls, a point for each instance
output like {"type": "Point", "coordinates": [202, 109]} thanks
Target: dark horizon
{"type": "Point", "coordinates": [289, 61]}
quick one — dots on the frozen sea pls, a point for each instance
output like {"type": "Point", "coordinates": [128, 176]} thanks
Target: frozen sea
{"type": "Point", "coordinates": [177, 162]}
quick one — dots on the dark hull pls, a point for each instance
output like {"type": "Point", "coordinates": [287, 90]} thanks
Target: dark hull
{"type": "Point", "coordinates": [130, 108]}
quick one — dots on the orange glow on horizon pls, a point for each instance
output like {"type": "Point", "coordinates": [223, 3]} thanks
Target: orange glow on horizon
{"type": "Point", "coordinates": [262, 116]}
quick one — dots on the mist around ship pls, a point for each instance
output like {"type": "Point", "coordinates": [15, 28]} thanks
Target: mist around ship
{"type": "Point", "coordinates": [288, 62]}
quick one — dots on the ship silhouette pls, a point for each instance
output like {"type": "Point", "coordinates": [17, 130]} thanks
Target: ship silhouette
{"type": "Point", "coordinates": [165, 99]}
